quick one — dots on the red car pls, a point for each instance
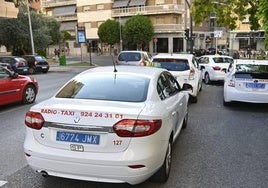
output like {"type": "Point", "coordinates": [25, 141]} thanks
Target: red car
{"type": "Point", "coordinates": [16, 88]}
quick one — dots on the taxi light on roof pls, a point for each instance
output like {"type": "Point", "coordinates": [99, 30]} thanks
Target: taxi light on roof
{"type": "Point", "coordinates": [136, 128]}
{"type": "Point", "coordinates": [34, 120]}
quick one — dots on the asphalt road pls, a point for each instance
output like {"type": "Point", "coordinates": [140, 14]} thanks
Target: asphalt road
{"type": "Point", "coordinates": [222, 147]}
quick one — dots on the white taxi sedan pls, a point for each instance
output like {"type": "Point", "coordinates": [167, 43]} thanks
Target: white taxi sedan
{"type": "Point", "coordinates": [246, 81]}
{"type": "Point", "coordinates": [214, 67]}
{"type": "Point", "coordinates": [108, 125]}
{"type": "Point", "coordinates": [184, 67]}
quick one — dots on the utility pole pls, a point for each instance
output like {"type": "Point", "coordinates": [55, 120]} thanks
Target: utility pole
{"type": "Point", "coordinates": [191, 28]}
{"type": "Point", "coordinates": [30, 28]}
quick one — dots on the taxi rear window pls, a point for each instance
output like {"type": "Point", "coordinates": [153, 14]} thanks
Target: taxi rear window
{"type": "Point", "coordinates": [107, 87]}
{"type": "Point", "coordinates": [171, 64]}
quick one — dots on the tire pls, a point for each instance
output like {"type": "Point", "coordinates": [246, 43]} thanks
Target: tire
{"type": "Point", "coordinates": [185, 121]}
{"type": "Point", "coordinates": [226, 103]}
{"type": "Point", "coordinates": [45, 71]}
{"type": "Point", "coordinates": [31, 70]}
{"type": "Point", "coordinates": [162, 174]}
{"type": "Point", "coordinates": [207, 79]}
{"type": "Point", "coordinates": [29, 94]}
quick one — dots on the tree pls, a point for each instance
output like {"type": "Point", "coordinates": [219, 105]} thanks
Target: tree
{"type": "Point", "coordinates": [227, 12]}
{"type": "Point", "coordinates": [138, 30]}
{"type": "Point", "coordinates": [109, 32]}
{"type": "Point", "coordinates": [15, 34]}
{"type": "Point", "coordinates": [263, 15]}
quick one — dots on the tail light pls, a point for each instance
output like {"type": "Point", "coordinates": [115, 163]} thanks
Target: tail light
{"type": "Point", "coordinates": [34, 120]}
{"type": "Point", "coordinates": [136, 128]}
{"type": "Point", "coordinates": [35, 62]}
{"type": "Point", "coordinates": [217, 68]}
{"type": "Point", "coordinates": [231, 82]}
{"type": "Point", "coordinates": [17, 64]}
{"type": "Point", "coordinates": [192, 72]}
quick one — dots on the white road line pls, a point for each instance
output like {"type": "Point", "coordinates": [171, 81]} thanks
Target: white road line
{"type": "Point", "coordinates": [2, 183]}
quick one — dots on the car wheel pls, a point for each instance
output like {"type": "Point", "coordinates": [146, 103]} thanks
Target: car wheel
{"type": "Point", "coordinates": [193, 99]}
{"type": "Point", "coordinates": [226, 103]}
{"type": "Point", "coordinates": [207, 79]}
{"type": "Point", "coordinates": [185, 121]}
{"type": "Point", "coordinates": [31, 70]}
{"type": "Point", "coordinates": [29, 94]}
{"type": "Point", "coordinates": [162, 174]}
{"type": "Point", "coordinates": [45, 71]}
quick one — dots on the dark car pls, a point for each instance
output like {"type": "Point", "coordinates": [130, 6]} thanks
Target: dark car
{"type": "Point", "coordinates": [17, 64]}
{"type": "Point", "coordinates": [6, 65]}
{"type": "Point", "coordinates": [16, 88]}
{"type": "Point", "coordinates": [36, 63]}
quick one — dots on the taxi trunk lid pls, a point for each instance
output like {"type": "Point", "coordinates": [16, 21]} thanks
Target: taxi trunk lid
{"type": "Point", "coordinates": [84, 125]}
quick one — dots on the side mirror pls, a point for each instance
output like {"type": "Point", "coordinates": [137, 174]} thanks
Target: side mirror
{"type": "Point", "coordinates": [187, 87]}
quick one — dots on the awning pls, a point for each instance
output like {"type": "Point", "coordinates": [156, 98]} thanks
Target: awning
{"type": "Point", "coordinates": [133, 3]}
{"type": "Point", "coordinates": [60, 11]}
{"type": "Point", "coordinates": [258, 34]}
{"type": "Point", "coordinates": [120, 3]}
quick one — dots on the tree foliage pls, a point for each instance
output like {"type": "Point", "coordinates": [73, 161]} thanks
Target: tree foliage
{"type": "Point", "coordinates": [263, 15]}
{"type": "Point", "coordinates": [109, 32]}
{"type": "Point", "coordinates": [138, 30]}
{"type": "Point", "coordinates": [228, 12]}
{"type": "Point", "coordinates": [15, 33]}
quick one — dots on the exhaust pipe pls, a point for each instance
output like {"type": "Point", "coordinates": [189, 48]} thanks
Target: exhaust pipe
{"type": "Point", "coordinates": [44, 174]}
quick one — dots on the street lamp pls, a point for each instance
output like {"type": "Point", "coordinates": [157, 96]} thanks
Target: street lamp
{"type": "Point", "coordinates": [30, 27]}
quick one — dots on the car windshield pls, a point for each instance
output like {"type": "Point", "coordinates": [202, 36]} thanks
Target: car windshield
{"type": "Point", "coordinates": [251, 71]}
{"type": "Point", "coordinates": [129, 56]}
{"type": "Point", "coordinates": [107, 87]}
{"type": "Point", "coordinates": [222, 60]}
{"type": "Point", "coordinates": [172, 64]}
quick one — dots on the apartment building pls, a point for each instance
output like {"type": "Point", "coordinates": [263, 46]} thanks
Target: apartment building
{"type": "Point", "coordinates": [7, 10]}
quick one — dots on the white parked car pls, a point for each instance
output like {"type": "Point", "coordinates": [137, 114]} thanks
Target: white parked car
{"type": "Point", "coordinates": [184, 67]}
{"type": "Point", "coordinates": [246, 81]}
{"type": "Point", "coordinates": [108, 125]}
{"type": "Point", "coordinates": [214, 67]}
{"type": "Point", "coordinates": [133, 57]}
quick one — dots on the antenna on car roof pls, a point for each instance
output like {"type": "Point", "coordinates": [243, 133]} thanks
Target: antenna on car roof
{"type": "Point", "coordinates": [114, 63]}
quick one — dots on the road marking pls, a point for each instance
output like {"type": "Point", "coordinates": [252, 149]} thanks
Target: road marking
{"type": "Point", "coordinates": [2, 183]}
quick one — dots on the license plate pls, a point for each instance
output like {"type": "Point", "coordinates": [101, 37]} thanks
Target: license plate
{"type": "Point", "coordinates": [255, 85]}
{"type": "Point", "coordinates": [25, 70]}
{"type": "Point", "coordinates": [63, 136]}
{"type": "Point", "coordinates": [44, 67]}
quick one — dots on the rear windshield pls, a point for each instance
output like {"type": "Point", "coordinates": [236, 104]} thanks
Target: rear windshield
{"type": "Point", "coordinates": [107, 87]}
{"type": "Point", "coordinates": [172, 64]}
{"type": "Point", "coordinates": [129, 56]}
{"type": "Point", "coordinates": [222, 60]}
{"type": "Point", "coordinates": [251, 71]}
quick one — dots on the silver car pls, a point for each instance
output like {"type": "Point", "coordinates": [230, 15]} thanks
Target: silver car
{"type": "Point", "coordinates": [140, 58]}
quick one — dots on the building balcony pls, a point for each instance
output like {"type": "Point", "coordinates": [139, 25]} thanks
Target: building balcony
{"type": "Point", "coordinates": [8, 10]}
{"type": "Point", "coordinates": [64, 18]}
{"type": "Point", "coordinates": [148, 10]}
{"type": "Point", "coordinates": [57, 3]}
{"type": "Point", "coordinates": [168, 28]}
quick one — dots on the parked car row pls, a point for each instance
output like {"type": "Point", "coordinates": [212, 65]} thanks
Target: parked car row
{"type": "Point", "coordinates": [28, 64]}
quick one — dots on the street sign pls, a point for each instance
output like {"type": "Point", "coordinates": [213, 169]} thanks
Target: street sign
{"type": "Point", "coordinates": [218, 34]}
{"type": "Point", "coordinates": [81, 34]}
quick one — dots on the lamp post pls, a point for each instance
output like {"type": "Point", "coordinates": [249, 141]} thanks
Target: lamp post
{"type": "Point", "coordinates": [120, 32]}
{"type": "Point", "coordinates": [30, 28]}
{"type": "Point", "coordinates": [191, 28]}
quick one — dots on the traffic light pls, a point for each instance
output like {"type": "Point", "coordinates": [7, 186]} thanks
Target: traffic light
{"type": "Point", "coordinates": [186, 34]}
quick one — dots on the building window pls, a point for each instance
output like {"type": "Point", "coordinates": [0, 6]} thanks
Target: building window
{"type": "Point", "coordinates": [100, 7]}
{"type": "Point", "coordinates": [88, 25]}
{"type": "Point", "coordinates": [159, 20]}
{"type": "Point", "coordinates": [159, 2]}
{"type": "Point", "coordinates": [86, 8]}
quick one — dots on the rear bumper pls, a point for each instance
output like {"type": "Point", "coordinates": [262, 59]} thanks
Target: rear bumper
{"type": "Point", "coordinates": [232, 94]}
{"type": "Point", "coordinates": [95, 166]}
